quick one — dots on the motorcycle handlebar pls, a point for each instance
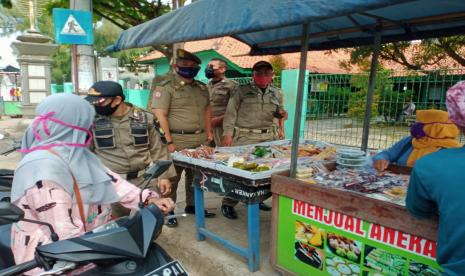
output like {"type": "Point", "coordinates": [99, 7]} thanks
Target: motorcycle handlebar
{"type": "Point", "coordinates": [19, 269]}
{"type": "Point", "coordinates": [8, 151]}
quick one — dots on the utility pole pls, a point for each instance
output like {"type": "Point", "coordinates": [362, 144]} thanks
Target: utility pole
{"type": "Point", "coordinates": [180, 45]}
{"type": "Point", "coordinates": [83, 60]}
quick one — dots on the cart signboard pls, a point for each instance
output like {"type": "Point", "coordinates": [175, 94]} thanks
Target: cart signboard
{"type": "Point", "coordinates": [316, 241]}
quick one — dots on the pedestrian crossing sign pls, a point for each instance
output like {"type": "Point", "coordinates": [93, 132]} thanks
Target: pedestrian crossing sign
{"type": "Point", "coordinates": [72, 26]}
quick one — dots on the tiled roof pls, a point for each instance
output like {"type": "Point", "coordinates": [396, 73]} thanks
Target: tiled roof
{"type": "Point", "coordinates": [317, 61]}
{"type": "Point", "coordinates": [237, 52]}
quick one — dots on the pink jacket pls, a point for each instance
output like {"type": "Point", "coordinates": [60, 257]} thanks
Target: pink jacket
{"type": "Point", "coordinates": [50, 203]}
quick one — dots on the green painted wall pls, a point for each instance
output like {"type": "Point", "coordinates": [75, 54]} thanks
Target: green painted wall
{"type": "Point", "coordinates": [161, 66]}
{"type": "Point", "coordinates": [234, 71]}
{"type": "Point", "coordinates": [289, 82]}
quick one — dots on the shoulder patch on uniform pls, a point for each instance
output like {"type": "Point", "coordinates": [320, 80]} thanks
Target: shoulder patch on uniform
{"type": "Point", "coordinates": [157, 95]}
{"type": "Point", "coordinates": [163, 82]}
{"type": "Point", "coordinates": [201, 85]}
{"type": "Point", "coordinates": [139, 114]}
{"type": "Point", "coordinates": [232, 81]}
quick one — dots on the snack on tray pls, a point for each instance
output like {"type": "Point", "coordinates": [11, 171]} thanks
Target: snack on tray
{"type": "Point", "coordinates": [202, 152]}
{"type": "Point", "coordinates": [222, 156]}
{"type": "Point", "coordinates": [309, 234]}
{"type": "Point", "coordinates": [262, 151]}
{"type": "Point", "coordinates": [309, 255]}
{"type": "Point", "coordinates": [327, 154]}
{"type": "Point", "coordinates": [253, 167]}
{"type": "Point", "coordinates": [397, 192]}
{"type": "Point", "coordinates": [337, 266]}
{"type": "Point", "coordinates": [385, 262]}
{"type": "Point", "coordinates": [344, 247]}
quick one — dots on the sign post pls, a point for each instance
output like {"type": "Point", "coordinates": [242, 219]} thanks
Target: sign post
{"type": "Point", "coordinates": [75, 27]}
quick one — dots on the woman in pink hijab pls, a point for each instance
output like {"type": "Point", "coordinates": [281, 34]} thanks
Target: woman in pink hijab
{"type": "Point", "coordinates": [59, 181]}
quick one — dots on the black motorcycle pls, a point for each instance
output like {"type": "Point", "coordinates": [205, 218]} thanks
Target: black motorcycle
{"type": "Point", "coordinates": [122, 247]}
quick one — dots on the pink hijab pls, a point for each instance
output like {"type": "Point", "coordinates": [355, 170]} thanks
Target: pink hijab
{"type": "Point", "coordinates": [455, 101]}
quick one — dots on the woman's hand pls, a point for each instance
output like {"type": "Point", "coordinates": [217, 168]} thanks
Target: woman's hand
{"type": "Point", "coordinates": [381, 165]}
{"type": "Point", "coordinates": [164, 185]}
{"type": "Point", "coordinates": [165, 205]}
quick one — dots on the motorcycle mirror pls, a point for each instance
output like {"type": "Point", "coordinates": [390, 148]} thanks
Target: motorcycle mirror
{"type": "Point", "coordinates": [10, 213]}
{"type": "Point", "coordinates": [157, 169]}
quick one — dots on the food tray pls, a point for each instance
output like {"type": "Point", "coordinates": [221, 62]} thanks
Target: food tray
{"type": "Point", "coordinates": [220, 166]}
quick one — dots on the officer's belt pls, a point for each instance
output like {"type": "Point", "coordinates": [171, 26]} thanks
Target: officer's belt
{"type": "Point", "coordinates": [177, 131]}
{"type": "Point", "coordinates": [133, 175]}
{"type": "Point", "coordinates": [255, 130]}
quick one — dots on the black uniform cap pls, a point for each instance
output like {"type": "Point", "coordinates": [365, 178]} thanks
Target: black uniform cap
{"type": "Point", "coordinates": [262, 64]}
{"type": "Point", "coordinates": [104, 89]}
{"type": "Point", "coordinates": [183, 54]}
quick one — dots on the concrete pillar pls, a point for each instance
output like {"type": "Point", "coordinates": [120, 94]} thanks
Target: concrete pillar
{"type": "Point", "coordinates": [289, 83]}
{"type": "Point", "coordinates": [35, 58]}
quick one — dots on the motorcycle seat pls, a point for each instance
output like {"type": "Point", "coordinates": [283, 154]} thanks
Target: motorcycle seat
{"type": "Point", "coordinates": [6, 257]}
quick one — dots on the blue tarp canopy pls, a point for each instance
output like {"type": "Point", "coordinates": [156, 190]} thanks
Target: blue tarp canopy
{"type": "Point", "coordinates": [275, 26]}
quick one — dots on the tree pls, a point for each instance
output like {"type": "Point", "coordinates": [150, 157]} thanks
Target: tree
{"type": "Point", "coordinates": [279, 64]}
{"type": "Point", "coordinates": [414, 55]}
{"type": "Point", "coordinates": [357, 100]}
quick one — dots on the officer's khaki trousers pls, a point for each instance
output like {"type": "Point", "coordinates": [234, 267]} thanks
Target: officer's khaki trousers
{"type": "Point", "coordinates": [218, 136]}
{"type": "Point", "coordinates": [189, 178]}
{"type": "Point", "coordinates": [185, 141]}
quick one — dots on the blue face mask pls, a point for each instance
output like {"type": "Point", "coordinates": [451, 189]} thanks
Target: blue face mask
{"type": "Point", "coordinates": [187, 72]}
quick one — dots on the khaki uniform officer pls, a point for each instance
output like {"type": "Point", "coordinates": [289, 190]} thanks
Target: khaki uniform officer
{"type": "Point", "coordinates": [127, 139]}
{"type": "Point", "coordinates": [181, 104]}
{"type": "Point", "coordinates": [220, 89]}
{"type": "Point", "coordinates": [252, 117]}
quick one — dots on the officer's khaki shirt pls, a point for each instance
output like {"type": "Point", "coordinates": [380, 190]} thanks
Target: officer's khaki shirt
{"type": "Point", "coordinates": [220, 92]}
{"type": "Point", "coordinates": [125, 157]}
{"type": "Point", "coordinates": [185, 103]}
{"type": "Point", "coordinates": [250, 108]}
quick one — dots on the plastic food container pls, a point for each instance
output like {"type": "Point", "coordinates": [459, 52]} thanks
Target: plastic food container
{"type": "Point", "coordinates": [351, 158]}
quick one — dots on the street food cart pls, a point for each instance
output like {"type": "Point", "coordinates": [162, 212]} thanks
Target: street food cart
{"type": "Point", "coordinates": [242, 173]}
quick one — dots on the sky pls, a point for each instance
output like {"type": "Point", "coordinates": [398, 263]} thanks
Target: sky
{"type": "Point", "coordinates": [6, 52]}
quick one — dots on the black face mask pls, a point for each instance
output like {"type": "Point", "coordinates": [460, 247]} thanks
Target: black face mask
{"type": "Point", "coordinates": [105, 110]}
{"type": "Point", "coordinates": [209, 72]}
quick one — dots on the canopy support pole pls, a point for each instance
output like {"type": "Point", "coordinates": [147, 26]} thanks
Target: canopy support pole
{"type": "Point", "coordinates": [371, 89]}
{"type": "Point", "coordinates": [300, 98]}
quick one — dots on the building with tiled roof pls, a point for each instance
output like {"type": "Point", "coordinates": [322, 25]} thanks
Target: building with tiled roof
{"type": "Point", "coordinates": [236, 53]}
{"type": "Point", "coordinates": [240, 63]}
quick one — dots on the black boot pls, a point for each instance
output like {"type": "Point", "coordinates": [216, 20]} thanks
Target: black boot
{"type": "Point", "coordinates": [262, 206]}
{"type": "Point", "coordinates": [172, 222]}
{"type": "Point", "coordinates": [228, 212]}
{"type": "Point", "coordinates": [191, 210]}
